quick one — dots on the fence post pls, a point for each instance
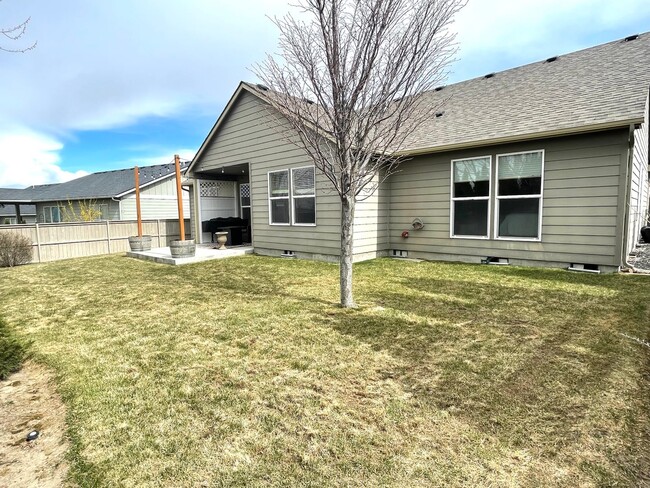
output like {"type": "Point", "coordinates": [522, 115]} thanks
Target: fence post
{"type": "Point", "coordinates": [38, 243]}
{"type": "Point", "coordinates": [108, 235]}
{"type": "Point", "coordinates": [159, 241]}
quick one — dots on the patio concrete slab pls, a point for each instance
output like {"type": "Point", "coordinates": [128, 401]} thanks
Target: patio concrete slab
{"type": "Point", "coordinates": [203, 253]}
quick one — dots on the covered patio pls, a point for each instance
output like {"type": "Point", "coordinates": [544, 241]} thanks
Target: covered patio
{"type": "Point", "coordinates": [221, 200]}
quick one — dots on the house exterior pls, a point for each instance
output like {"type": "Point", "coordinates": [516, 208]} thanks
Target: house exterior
{"type": "Point", "coordinates": [544, 165]}
{"type": "Point", "coordinates": [9, 216]}
{"type": "Point", "coordinates": [112, 193]}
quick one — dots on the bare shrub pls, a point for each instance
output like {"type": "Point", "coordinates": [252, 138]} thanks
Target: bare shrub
{"type": "Point", "coordinates": [15, 249]}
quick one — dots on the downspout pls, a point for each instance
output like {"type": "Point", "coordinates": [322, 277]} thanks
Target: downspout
{"type": "Point", "coordinates": [628, 186]}
{"type": "Point", "coordinates": [119, 207]}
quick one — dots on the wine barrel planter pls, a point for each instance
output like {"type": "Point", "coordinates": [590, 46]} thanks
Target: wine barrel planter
{"type": "Point", "coordinates": [183, 249]}
{"type": "Point", "coordinates": [137, 243]}
{"type": "Point", "coordinates": [645, 233]}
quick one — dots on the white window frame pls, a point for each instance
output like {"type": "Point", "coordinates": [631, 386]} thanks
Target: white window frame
{"type": "Point", "coordinates": [539, 195]}
{"type": "Point", "coordinates": [241, 205]}
{"type": "Point", "coordinates": [48, 210]}
{"type": "Point", "coordinates": [103, 215]}
{"type": "Point", "coordinates": [453, 199]}
{"type": "Point", "coordinates": [287, 198]}
{"type": "Point", "coordinates": [294, 197]}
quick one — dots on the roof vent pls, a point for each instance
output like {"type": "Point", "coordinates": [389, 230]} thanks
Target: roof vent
{"type": "Point", "coordinates": [439, 114]}
{"type": "Point", "coordinates": [262, 87]}
{"type": "Point", "coordinates": [310, 102]}
{"type": "Point", "coordinates": [489, 75]}
{"type": "Point", "coordinates": [551, 59]}
{"type": "Point", "coordinates": [438, 88]}
{"type": "Point", "coordinates": [633, 37]}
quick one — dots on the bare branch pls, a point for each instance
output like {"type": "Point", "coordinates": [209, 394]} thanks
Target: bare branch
{"type": "Point", "coordinates": [16, 33]}
{"type": "Point", "coordinates": [352, 81]}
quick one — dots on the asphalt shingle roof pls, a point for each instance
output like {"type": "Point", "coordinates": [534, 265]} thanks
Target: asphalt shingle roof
{"type": "Point", "coordinates": [105, 184]}
{"type": "Point", "coordinates": [605, 84]}
{"type": "Point", "coordinates": [9, 210]}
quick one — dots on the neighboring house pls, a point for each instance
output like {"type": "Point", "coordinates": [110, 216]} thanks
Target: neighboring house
{"type": "Point", "coordinates": [544, 164]}
{"type": "Point", "coordinates": [112, 193]}
{"type": "Point", "coordinates": [9, 216]}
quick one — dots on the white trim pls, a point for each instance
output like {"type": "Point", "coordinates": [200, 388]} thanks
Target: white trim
{"type": "Point", "coordinates": [293, 197]}
{"type": "Point", "coordinates": [288, 197]}
{"type": "Point", "coordinates": [453, 199]}
{"type": "Point", "coordinates": [540, 195]}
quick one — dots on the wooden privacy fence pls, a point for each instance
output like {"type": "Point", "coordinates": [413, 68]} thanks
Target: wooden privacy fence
{"type": "Point", "coordinates": [66, 240]}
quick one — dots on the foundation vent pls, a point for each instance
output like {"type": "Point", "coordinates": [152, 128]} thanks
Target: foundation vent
{"type": "Point", "coordinates": [584, 268]}
{"type": "Point", "coordinates": [399, 253]}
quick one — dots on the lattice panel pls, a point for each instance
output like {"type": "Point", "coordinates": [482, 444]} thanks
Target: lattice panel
{"type": "Point", "coordinates": [210, 188]}
{"type": "Point", "coordinates": [245, 190]}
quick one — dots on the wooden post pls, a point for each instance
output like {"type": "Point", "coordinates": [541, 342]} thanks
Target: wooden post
{"type": "Point", "coordinates": [179, 197]}
{"type": "Point", "coordinates": [19, 218]}
{"type": "Point", "coordinates": [137, 200]}
{"type": "Point", "coordinates": [108, 235]}
{"type": "Point", "coordinates": [38, 244]}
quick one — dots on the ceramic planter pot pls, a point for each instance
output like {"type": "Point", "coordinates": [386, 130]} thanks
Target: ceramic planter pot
{"type": "Point", "coordinates": [222, 238]}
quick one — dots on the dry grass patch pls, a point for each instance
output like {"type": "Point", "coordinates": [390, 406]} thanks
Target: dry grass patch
{"type": "Point", "coordinates": [243, 372]}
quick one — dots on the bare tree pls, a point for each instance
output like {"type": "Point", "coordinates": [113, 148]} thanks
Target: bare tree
{"type": "Point", "coordinates": [349, 79]}
{"type": "Point", "coordinates": [15, 33]}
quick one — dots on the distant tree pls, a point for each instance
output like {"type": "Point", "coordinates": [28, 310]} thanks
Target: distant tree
{"type": "Point", "coordinates": [347, 80]}
{"type": "Point", "coordinates": [15, 33]}
{"type": "Point", "coordinates": [84, 211]}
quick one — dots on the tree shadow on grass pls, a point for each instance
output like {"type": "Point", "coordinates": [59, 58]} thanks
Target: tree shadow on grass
{"type": "Point", "coordinates": [516, 367]}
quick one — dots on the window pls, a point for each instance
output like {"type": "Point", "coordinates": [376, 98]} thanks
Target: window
{"type": "Point", "coordinates": [103, 211]}
{"type": "Point", "coordinates": [51, 214]}
{"type": "Point", "coordinates": [304, 196]}
{"type": "Point", "coordinates": [519, 195]}
{"type": "Point", "coordinates": [470, 195]}
{"type": "Point", "coordinates": [245, 200]}
{"type": "Point", "coordinates": [279, 197]}
{"type": "Point", "coordinates": [292, 197]}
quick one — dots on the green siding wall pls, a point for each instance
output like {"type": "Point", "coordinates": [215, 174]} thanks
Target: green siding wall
{"type": "Point", "coordinates": [581, 205]}
{"type": "Point", "coordinates": [251, 133]}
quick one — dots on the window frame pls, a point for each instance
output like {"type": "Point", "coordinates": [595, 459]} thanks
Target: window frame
{"type": "Point", "coordinates": [452, 200]}
{"type": "Point", "coordinates": [47, 210]}
{"type": "Point", "coordinates": [288, 197]}
{"type": "Point", "coordinates": [539, 195]}
{"type": "Point", "coordinates": [294, 197]}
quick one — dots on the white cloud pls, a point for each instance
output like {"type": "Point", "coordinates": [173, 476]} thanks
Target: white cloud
{"type": "Point", "coordinates": [28, 158]}
{"type": "Point", "coordinates": [160, 157]}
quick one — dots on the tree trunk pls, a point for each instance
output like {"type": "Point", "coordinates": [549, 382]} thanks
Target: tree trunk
{"type": "Point", "coordinates": [347, 223]}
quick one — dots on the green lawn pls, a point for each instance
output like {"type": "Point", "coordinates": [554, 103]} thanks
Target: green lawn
{"type": "Point", "coordinates": [244, 372]}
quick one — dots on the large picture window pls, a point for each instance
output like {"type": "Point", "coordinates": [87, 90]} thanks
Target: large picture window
{"type": "Point", "coordinates": [303, 193]}
{"type": "Point", "coordinates": [279, 197]}
{"type": "Point", "coordinates": [470, 195]}
{"type": "Point", "coordinates": [519, 195]}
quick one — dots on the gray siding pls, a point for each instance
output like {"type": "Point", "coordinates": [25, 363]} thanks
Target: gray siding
{"type": "Point", "coordinates": [638, 197]}
{"type": "Point", "coordinates": [251, 134]}
{"type": "Point", "coordinates": [580, 203]}
{"type": "Point", "coordinates": [113, 208]}
{"type": "Point", "coordinates": [371, 223]}
{"type": "Point", "coordinates": [157, 201]}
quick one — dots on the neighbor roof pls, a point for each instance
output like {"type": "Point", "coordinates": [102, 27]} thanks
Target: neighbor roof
{"type": "Point", "coordinates": [9, 210]}
{"type": "Point", "coordinates": [105, 184]}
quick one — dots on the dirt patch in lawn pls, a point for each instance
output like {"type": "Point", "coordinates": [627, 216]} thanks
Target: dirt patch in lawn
{"type": "Point", "coordinates": [28, 401]}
